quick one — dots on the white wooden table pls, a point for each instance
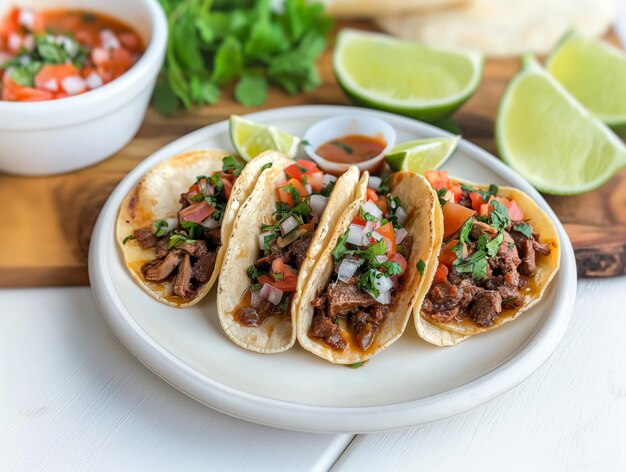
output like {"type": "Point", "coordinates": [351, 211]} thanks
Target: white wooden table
{"type": "Point", "coordinates": [73, 398]}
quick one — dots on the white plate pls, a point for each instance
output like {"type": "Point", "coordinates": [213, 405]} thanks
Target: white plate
{"type": "Point", "coordinates": [409, 383]}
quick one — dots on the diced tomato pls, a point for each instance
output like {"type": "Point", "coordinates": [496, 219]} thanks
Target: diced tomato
{"type": "Point", "coordinates": [449, 197]}
{"type": "Point", "coordinates": [447, 255]}
{"type": "Point", "coordinates": [196, 213]}
{"type": "Point", "coordinates": [441, 275]}
{"type": "Point", "coordinates": [382, 204]}
{"type": "Point", "coordinates": [371, 195]}
{"type": "Point", "coordinates": [130, 41]}
{"type": "Point", "coordinates": [294, 172]}
{"type": "Point", "coordinates": [12, 91]}
{"type": "Point", "coordinates": [192, 192]}
{"type": "Point", "coordinates": [454, 215]}
{"type": "Point", "coordinates": [399, 258]}
{"type": "Point", "coordinates": [54, 74]}
{"type": "Point", "coordinates": [265, 279]}
{"type": "Point", "coordinates": [285, 196]}
{"type": "Point", "coordinates": [289, 276]}
{"type": "Point", "coordinates": [484, 209]}
{"type": "Point", "coordinates": [286, 285]}
{"type": "Point", "coordinates": [457, 191]}
{"type": "Point", "coordinates": [315, 180]}
{"type": "Point", "coordinates": [359, 221]}
{"type": "Point", "coordinates": [477, 200]}
{"type": "Point", "coordinates": [437, 178]}
{"type": "Point", "coordinates": [386, 231]}
{"type": "Point", "coordinates": [228, 187]}
{"type": "Point", "coordinates": [308, 165]}
{"type": "Point", "coordinates": [119, 61]}
{"type": "Point", "coordinates": [515, 212]}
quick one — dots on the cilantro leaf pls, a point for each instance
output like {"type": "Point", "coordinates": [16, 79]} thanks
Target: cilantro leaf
{"type": "Point", "coordinates": [251, 90]}
{"type": "Point", "coordinates": [420, 266]}
{"type": "Point", "coordinates": [128, 238]}
{"type": "Point", "coordinates": [525, 229]}
{"type": "Point", "coordinates": [231, 165]}
{"type": "Point", "coordinates": [499, 216]}
{"type": "Point", "coordinates": [266, 166]}
{"type": "Point", "coordinates": [160, 228]}
{"type": "Point", "coordinates": [367, 216]}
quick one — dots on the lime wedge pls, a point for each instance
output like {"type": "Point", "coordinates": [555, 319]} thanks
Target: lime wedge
{"type": "Point", "coordinates": [403, 77]}
{"type": "Point", "coordinates": [251, 139]}
{"type": "Point", "coordinates": [595, 73]}
{"type": "Point", "coordinates": [421, 155]}
{"type": "Point", "coordinates": [551, 139]}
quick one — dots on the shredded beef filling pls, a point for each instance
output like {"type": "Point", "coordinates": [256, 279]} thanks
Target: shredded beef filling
{"type": "Point", "coordinates": [187, 265]}
{"type": "Point", "coordinates": [483, 300]}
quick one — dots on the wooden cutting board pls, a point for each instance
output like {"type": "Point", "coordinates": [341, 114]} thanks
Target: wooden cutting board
{"type": "Point", "coordinates": [47, 221]}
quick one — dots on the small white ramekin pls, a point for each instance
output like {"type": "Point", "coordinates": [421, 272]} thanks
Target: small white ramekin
{"type": "Point", "coordinates": [342, 125]}
{"type": "Point", "coordinates": [58, 136]}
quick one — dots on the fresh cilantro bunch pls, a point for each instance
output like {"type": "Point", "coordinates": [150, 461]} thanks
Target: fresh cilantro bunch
{"type": "Point", "coordinates": [213, 44]}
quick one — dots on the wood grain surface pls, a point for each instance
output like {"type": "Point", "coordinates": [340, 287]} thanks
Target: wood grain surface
{"type": "Point", "coordinates": [48, 220]}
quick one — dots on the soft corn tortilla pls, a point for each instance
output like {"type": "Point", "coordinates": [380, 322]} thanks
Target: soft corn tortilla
{"type": "Point", "coordinates": [276, 333]}
{"type": "Point", "coordinates": [448, 334]}
{"type": "Point", "coordinates": [502, 29]}
{"type": "Point", "coordinates": [425, 223]}
{"type": "Point", "coordinates": [156, 196]}
{"type": "Point", "coordinates": [376, 8]}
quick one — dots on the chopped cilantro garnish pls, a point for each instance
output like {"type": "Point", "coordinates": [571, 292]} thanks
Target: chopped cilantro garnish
{"type": "Point", "coordinates": [266, 166]}
{"type": "Point", "coordinates": [525, 229]}
{"type": "Point", "coordinates": [356, 365]}
{"type": "Point", "coordinates": [231, 165]}
{"type": "Point", "coordinates": [440, 194]}
{"type": "Point", "coordinates": [305, 142]}
{"type": "Point", "coordinates": [491, 192]}
{"type": "Point", "coordinates": [420, 266]}
{"type": "Point", "coordinates": [176, 239]}
{"type": "Point", "coordinates": [194, 230]}
{"type": "Point", "coordinates": [128, 238]}
{"type": "Point", "coordinates": [499, 216]}
{"type": "Point", "coordinates": [293, 191]}
{"type": "Point", "coordinates": [366, 216]}
{"type": "Point", "coordinates": [327, 189]}
{"type": "Point", "coordinates": [253, 272]}
{"type": "Point", "coordinates": [277, 277]}
{"type": "Point", "coordinates": [340, 249]}
{"type": "Point", "coordinates": [367, 282]}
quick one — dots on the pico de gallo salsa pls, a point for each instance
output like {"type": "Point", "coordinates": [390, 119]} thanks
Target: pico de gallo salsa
{"type": "Point", "coordinates": [52, 54]}
{"type": "Point", "coordinates": [300, 201]}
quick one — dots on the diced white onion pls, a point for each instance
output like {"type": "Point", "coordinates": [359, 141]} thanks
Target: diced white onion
{"type": "Point", "coordinates": [255, 298]}
{"type": "Point", "coordinates": [384, 298]}
{"type": "Point", "coordinates": [210, 223]}
{"type": "Point", "coordinates": [449, 196]}
{"type": "Point", "coordinates": [288, 225]}
{"type": "Point", "coordinates": [377, 236]}
{"type": "Point", "coordinates": [29, 43]}
{"type": "Point", "coordinates": [14, 42]}
{"type": "Point", "coordinates": [318, 203]}
{"type": "Point", "coordinates": [370, 226]}
{"type": "Point", "coordinates": [400, 235]}
{"type": "Point", "coordinates": [328, 178]}
{"type": "Point", "coordinates": [382, 259]}
{"type": "Point", "coordinates": [26, 18]}
{"type": "Point", "coordinates": [73, 84]}
{"type": "Point", "coordinates": [383, 283]}
{"type": "Point", "coordinates": [100, 55]}
{"type": "Point", "coordinates": [374, 182]}
{"type": "Point", "coordinates": [51, 85]}
{"type": "Point", "coordinates": [262, 238]}
{"type": "Point", "coordinates": [109, 40]}
{"type": "Point", "coordinates": [355, 235]}
{"type": "Point", "coordinates": [347, 268]}
{"type": "Point", "coordinates": [94, 81]}
{"type": "Point", "coordinates": [371, 208]}
{"type": "Point", "coordinates": [401, 215]}
{"type": "Point", "coordinates": [272, 294]}
{"type": "Point", "coordinates": [171, 224]}
{"type": "Point", "coordinates": [206, 188]}
{"type": "Point", "coordinates": [308, 188]}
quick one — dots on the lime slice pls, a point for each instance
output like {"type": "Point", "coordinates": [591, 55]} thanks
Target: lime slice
{"type": "Point", "coordinates": [421, 155]}
{"type": "Point", "coordinates": [412, 79]}
{"type": "Point", "coordinates": [595, 73]}
{"type": "Point", "coordinates": [251, 139]}
{"type": "Point", "coordinates": [550, 138]}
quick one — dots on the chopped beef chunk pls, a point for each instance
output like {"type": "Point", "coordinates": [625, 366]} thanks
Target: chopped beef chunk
{"type": "Point", "coordinates": [366, 325]}
{"type": "Point", "coordinates": [405, 246]}
{"type": "Point", "coordinates": [486, 307]}
{"type": "Point", "coordinates": [527, 251]}
{"type": "Point", "coordinates": [203, 268]}
{"type": "Point", "coordinates": [183, 287]}
{"type": "Point", "coordinates": [160, 269]}
{"type": "Point", "coordinates": [465, 200]}
{"type": "Point", "coordinates": [161, 247]}
{"type": "Point", "coordinates": [443, 302]}
{"type": "Point", "coordinates": [264, 263]}
{"type": "Point", "coordinates": [184, 202]}
{"type": "Point", "coordinates": [511, 298]}
{"type": "Point", "coordinates": [195, 249]}
{"type": "Point", "coordinates": [214, 237]}
{"type": "Point", "coordinates": [296, 253]}
{"type": "Point", "coordinates": [145, 237]}
{"type": "Point", "coordinates": [323, 328]}
{"type": "Point", "coordinates": [344, 298]}
{"type": "Point", "coordinates": [541, 248]}
{"type": "Point", "coordinates": [478, 228]}
{"type": "Point", "coordinates": [255, 315]}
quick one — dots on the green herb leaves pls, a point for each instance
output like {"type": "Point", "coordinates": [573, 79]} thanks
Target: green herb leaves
{"type": "Point", "coordinates": [525, 229]}
{"type": "Point", "coordinates": [420, 266]}
{"type": "Point", "coordinates": [213, 44]}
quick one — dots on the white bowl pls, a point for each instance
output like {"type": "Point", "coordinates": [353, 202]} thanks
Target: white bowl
{"type": "Point", "coordinates": [57, 136]}
{"type": "Point", "coordinates": [342, 125]}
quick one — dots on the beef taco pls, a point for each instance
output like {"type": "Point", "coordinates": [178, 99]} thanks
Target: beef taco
{"type": "Point", "coordinates": [378, 264]}
{"type": "Point", "coordinates": [499, 253]}
{"type": "Point", "coordinates": [278, 235]}
{"type": "Point", "coordinates": [173, 227]}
